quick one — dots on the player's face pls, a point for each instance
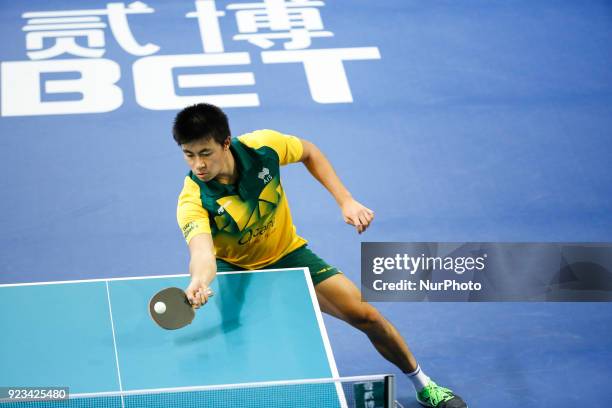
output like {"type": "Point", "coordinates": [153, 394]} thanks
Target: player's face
{"type": "Point", "coordinates": [205, 157]}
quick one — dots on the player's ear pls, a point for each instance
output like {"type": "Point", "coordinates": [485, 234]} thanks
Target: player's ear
{"type": "Point", "coordinates": [227, 143]}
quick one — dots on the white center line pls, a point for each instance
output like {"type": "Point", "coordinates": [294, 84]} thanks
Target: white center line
{"type": "Point", "coordinates": [110, 310]}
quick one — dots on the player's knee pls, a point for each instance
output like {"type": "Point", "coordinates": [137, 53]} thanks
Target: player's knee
{"type": "Point", "coordinates": [365, 317]}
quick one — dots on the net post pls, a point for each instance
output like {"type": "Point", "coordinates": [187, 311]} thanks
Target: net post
{"type": "Point", "coordinates": [389, 391]}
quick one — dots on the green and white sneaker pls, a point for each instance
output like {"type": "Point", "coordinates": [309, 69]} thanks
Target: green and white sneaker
{"type": "Point", "coordinates": [434, 396]}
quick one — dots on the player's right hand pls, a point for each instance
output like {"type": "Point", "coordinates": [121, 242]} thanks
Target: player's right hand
{"type": "Point", "coordinates": [197, 293]}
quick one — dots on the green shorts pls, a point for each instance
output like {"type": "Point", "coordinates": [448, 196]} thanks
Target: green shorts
{"type": "Point", "coordinates": [300, 258]}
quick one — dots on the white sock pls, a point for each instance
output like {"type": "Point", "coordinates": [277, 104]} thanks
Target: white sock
{"type": "Point", "coordinates": [418, 378]}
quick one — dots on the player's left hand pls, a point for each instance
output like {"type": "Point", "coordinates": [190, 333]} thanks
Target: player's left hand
{"type": "Point", "coordinates": [355, 213]}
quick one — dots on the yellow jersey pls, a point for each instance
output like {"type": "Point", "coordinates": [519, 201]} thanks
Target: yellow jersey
{"type": "Point", "coordinates": [250, 221]}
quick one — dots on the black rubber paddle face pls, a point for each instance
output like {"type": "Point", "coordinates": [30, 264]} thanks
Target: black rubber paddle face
{"type": "Point", "coordinates": [179, 312]}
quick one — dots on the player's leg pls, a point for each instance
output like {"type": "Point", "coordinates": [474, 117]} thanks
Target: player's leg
{"type": "Point", "coordinates": [339, 297]}
{"type": "Point", "coordinates": [346, 305]}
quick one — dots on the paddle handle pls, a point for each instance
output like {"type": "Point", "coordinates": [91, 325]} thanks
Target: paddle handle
{"type": "Point", "coordinates": [209, 293]}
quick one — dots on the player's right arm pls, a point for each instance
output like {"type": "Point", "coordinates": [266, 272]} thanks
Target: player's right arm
{"type": "Point", "coordinates": [194, 221]}
{"type": "Point", "coordinates": [202, 268]}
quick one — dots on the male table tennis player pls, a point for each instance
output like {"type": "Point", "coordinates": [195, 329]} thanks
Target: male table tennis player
{"type": "Point", "coordinates": [234, 215]}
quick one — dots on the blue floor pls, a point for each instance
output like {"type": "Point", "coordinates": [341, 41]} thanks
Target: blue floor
{"type": "Point", "coordinates": [481, 121]}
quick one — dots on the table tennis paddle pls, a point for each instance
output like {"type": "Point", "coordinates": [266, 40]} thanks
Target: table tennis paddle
{"type": "Point", "coordinates": [171, 309]}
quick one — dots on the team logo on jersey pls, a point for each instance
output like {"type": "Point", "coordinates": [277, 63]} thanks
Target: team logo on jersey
{"type": "Point", "coordinates": [249, 220]}
{"type": "Point", "coordinates": [264, 174]}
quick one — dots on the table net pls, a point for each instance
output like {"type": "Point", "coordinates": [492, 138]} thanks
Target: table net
{"type": "Point", "coordinates": [347, 392]}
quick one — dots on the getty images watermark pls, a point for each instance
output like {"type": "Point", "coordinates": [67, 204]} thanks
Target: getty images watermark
{"type": "Point", "coordinates": [412, 264]}
{"type": "Point", "coordinates": [429, 271]}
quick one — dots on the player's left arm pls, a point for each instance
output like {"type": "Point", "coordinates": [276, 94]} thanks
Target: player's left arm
{"type": "Point", "coordinates": [353, 212]}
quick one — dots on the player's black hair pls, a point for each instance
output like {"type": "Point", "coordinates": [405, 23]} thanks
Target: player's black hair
{"type": "Point", "coordinates": [200, 121]}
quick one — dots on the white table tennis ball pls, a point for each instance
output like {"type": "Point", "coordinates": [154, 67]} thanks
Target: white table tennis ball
{"type": "Point", "coordinates": [159, 307]}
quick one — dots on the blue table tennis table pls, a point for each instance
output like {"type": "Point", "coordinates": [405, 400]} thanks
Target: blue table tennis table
{"type": "Point", "coordinates": [96, 336]}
